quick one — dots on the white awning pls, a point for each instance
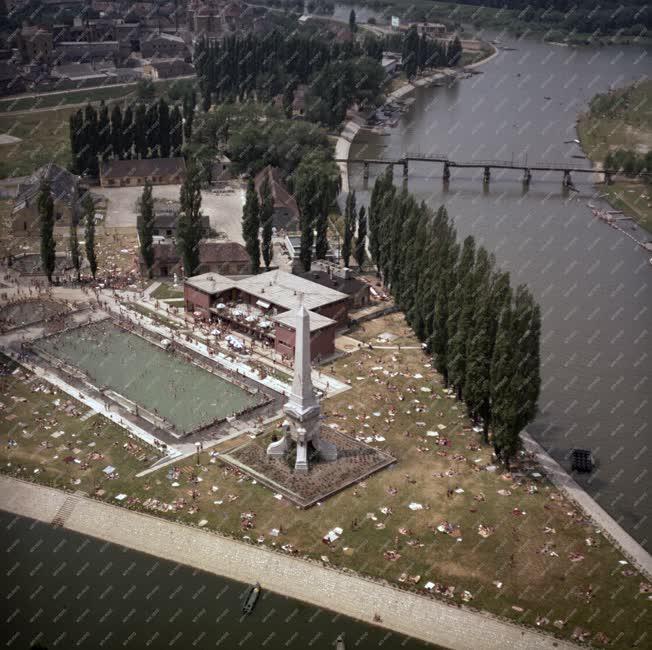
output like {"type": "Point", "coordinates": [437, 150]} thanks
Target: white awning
{"type": "Point", "coordinates": [263, 304]}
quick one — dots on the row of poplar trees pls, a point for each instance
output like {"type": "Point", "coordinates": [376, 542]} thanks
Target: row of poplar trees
{"type": "Point", "coordinates": [45, 207]}
{"type": "Point", "coordinates": [139, 131]}
{"type": "Point", "coordinates": [483, 335]}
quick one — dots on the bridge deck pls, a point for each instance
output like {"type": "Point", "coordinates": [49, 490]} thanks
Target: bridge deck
{"type": "Point", "coordinates": [493, 164]}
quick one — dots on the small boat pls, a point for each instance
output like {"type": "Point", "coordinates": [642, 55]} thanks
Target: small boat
{"type": "Point", "coordinates": [339, 643]}
{"type": "Point", "coordinates": [250, 599]}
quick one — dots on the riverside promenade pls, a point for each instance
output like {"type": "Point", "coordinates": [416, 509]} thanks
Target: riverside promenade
{"type": "Point", "coordinates": [406, 613]}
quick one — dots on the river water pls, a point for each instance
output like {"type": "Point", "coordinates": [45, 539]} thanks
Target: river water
{"type": "Point", "coordinates": [65, 590]}
{"type": "Point", "coordinates": [593, 283]}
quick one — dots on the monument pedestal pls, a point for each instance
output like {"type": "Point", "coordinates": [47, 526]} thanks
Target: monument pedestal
{"type": "Point", "coordinates": [303, 424]}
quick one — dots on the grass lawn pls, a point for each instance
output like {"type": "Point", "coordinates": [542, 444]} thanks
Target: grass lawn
{"type": "Point", "coordinates": [33, 413]}
{"type": "Point", "coordinates": [44, 138]}
{"type": "Point", "coordinates": [537, 559]}
{"type": "Point", "coordinates": [628, 127]}
{"type": "Point", "coordinates": [81, 96]}
{"type": "Point", "coordinates": [166, 291]}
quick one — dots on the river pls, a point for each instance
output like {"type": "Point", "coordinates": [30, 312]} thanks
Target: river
{"type": "Point", "coordinates": [593, 283]}
{"type": "Point", "coordinates": [66, 590]}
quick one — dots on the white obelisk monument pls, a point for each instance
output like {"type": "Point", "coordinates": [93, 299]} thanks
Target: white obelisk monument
{"type": "Point", "coordinates": [302, 426]}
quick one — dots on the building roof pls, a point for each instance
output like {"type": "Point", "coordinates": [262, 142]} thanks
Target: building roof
{"type": "Point", "coordinates": [289, 291]}
{"type": "Point", "coordinates": [215, 251]}
{"type": "Point", "coordinates": [63, 186]}
{"type": "Point", "coordinates": [211, 283]}
{"type": "Point", "coordinates": [317, 321]}
{"type": "Point", "coordinates": [349, 286]}
{"type": "Point", "coordinates": [143, 168]}
{"type": "Point", "coordinates": [282, 198]}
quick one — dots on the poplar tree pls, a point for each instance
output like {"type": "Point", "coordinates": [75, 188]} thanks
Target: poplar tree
{"type": "Point", "coordinates": [176, 132]}
{"type": "Point", "coordinates": [152, 133]}
{"type": "Point", "coordinates": [251, 225]}
{"type": "Point", "coordinates": [45, 205]}
{"type": "Point", "coordinates": [321, 228]}
{"type": "Point", "coordinates": [266, 220]}
{"type": "Point", "coordinates": [349, 223]}
{"type": "Point", "coordinates": [361, 243]}
{"type": "Point", "coordinates": [460, 316]}
{"type": "Point", "coordinates": [104, 133]}
{"type": "Point", "coordinates": [89, 234]}
{"type": "Point", "coordinates": [117, 128]}
{"type": "Point", "coordinates": [189, 230]}
{"type": "Point", "coordinates": [164, 124]}
{"type": "Point", "coordinates": [189, 103]}
{"type": "Point", "coordinates": [145, 226]}
{"type": "Point", "coordinates": [76, 123]}
{"type": "Point", "coordinates": [127, 144]}
{"type": "Point", "coordinates": [140, 132]}
{"type": "Point", "coordinates": [503, 400]}
{"type": "Point", "coordinates": [75, 253]}
{"type": "Point", "coordinates": [90, 140]}
{"type": "Point", "coordinates": [381, 185]}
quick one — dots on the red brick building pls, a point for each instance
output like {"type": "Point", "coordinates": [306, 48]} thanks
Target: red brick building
{"type": "Point", "coordinates": [264, 306]}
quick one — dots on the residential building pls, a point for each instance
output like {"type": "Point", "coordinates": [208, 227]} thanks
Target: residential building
{"type": "Point", "coordinates": [66, 192]}
{"type": "Point", "coordinates": [164, 46]}
{"type": "Point", "coordinates": [167, 68]}
{"type": "Point", "coordinates": [158, 171]}
{"type": "Point", "coordinates": [335, 277]}
{"type": "Point", "coordinates": [286, 211]}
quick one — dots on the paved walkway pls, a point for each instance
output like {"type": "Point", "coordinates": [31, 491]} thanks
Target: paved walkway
{"type": "Point", "coordinates": [634, 552]}
{"type": "Point", "coordinates": [403, 612]}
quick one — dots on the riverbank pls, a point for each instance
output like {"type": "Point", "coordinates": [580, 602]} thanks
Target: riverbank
{"type": "Point", "coordinates": [620, 120]}
{"type": "Point", "coordinates": [409, 614]}
{"type": "Point", "coordinates": [351, 128]}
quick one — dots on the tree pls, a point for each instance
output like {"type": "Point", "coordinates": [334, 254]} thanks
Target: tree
{"type": "Point", "coordinates": [321, 229]}
{"type": "Point", "coordinates": [381, 186]}
{"type": "Point", "coordinates": [104, 132]}
{"type": "Point", "coordinates": [45, 204]}
{"type": "Point", "coordinates": [189, 230]}
{"type": "Point", "coordinates": [89, 235]}
{"type": "Point", "coordinates": [176, 132]}
{"type": "Point", "coordinates": [90, 140]}
{"type": "Point", "coordinates": [316, 183]}
{"type": "Point", "coordinates": [127, 133]}
{"type": "Point", "coordinates": [145, 224]}
{"type": "Point", "coordinates": [460, 317]}
{"type": "Point", "coordinates": [117, 126]}
{"type": "Point", "coordinates": [75, 252]}
{"type": "Point", "coordinates": [361, 244]}
{"type": "Point", "coordinates": [410, 52]}
{"type": "Point", "coordinates": [266, 220]}
{"type": "Point", "coordinates": [349, 224]}
{"type": "Point", "coordinates": [140, 131]}
{"type": "Point", "coordinates": [352, 22]}
{"type": "Point", "coordinates": [189, 103]}
{"type": "Point", "coordinates": [505, 433]}
{"type": "Point", "coordinates": [164, 139]}
{"type": "Point", "coordinates": [76, 142]}
{"type": "Point", "coordinates": [152, 132]}
{"type": "Point", "coordinates": [251, 226]}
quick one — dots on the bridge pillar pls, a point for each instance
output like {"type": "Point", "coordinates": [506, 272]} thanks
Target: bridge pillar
{"type": "Point", "coordinates": [607, 178]}
{"type": "Point", "coordinates": [486, 176]}
{"type": "Point", "coordinates": [527, 176]}
{"type": "Point", "coordinates": [446, 176]}
{"type": "Point", "coordinates": [568, 181]}
{"type": "Point", "coordinates": [405, 170]}
{"type": "Point", "coordinates": [365, 171]}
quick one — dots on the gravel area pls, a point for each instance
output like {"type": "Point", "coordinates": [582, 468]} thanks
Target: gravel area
{"type": "Point", "coordinates": [223, 206]}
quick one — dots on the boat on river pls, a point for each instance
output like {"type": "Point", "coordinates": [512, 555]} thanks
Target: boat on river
{"type": "Point", "coordinates": [250, 599]}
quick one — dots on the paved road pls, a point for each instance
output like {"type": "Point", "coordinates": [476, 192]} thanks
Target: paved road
{"type": "Point", "coordinates": [403, 612]}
